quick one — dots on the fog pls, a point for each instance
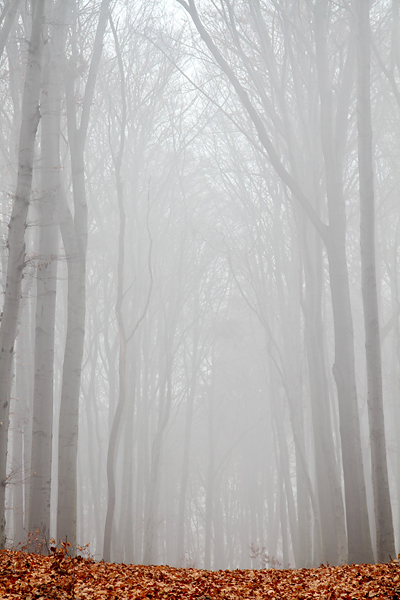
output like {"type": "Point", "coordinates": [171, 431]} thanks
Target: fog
{"type": "Point", "coordinates": [200, 232]}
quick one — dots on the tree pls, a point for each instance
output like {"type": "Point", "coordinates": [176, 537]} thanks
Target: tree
{"type": "Point", "coordinates": [42, 417]}
{"type": "Point", "coordinates": [380, 478]}
{"type": "Point", "coordinates": [7, 17]}
{"type": "Point", "coordinates": [333, 236]}
{"type": "Point", "coordinates": [16, 237]}
{"type": "Point", "coordinates": [74, 233]}
{"type": "Point", "coordinates": [333, 135]}
{"type": "Point", "coordinates": [124, 337]}
{"type": "Point", "coordinates": [206, 412]}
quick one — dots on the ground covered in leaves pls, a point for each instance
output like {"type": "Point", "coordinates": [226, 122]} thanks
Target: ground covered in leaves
{"type": "Point", "coordinates": [35, 577]}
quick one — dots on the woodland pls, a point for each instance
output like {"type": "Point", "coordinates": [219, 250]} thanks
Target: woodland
{"type": "Point", "coordinates": [199, 277]}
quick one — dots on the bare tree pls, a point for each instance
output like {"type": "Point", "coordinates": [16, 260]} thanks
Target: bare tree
{"type": "Point", "coordinates": [16, 238]}
{"type": "Point", "coordinates": [380, 478]}
{"type": "Point", "coordinates": [75, 242]}
{"type": "Point", "coordinates": [124, 337]}
{"type": "Point", "coordinates": [333, 236]}
{"type": "Point", "coordinates": [7, 19]}
{"type": "Point", "coordinates": [42, 417]}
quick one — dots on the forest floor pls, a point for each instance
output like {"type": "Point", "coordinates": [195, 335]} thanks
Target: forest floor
{"type": "Point", "coordinates": [58, 576]}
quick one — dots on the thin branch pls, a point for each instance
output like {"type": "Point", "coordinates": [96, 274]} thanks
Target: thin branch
{"type": "Point", "coordinates": [138, 322]}
{"type": "Point", "coordinates": [257, 122]}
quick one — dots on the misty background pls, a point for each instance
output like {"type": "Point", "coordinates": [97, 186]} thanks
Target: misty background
{"type": "Point", "coordinates": [200, 227]}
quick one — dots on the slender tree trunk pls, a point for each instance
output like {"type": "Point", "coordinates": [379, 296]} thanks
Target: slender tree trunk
{"type": "Point", "coordinates": [334, 236]}
{"type": "Point", "coordinates": [284, 467]}
{"type": "Point", "coordinates": [186, 445]}
{"type": "Point", "coordinates": [152, 492]}
{"type": "Point", "coordinates": [20, 420]}
{"type": "Point", "coordinates": [210, 478]}
{"type": "Point", "coordinates": [331, 509]}
{"type": "Point", "coordinates": [218, 530]}
{"type": "Point", "coordinates": [291, 381]}
{"type": "Point", "coordinates": [7, 20]}
{"type": "Point", "coordinates": [17, 423]}
{"type": "Point", "coordinates": [42, 418]}
{"type": "Point", "coordinates": [115, 429]}
{"type": "Point", "coordinates": [113, 448]}
{"type": "Point", "coordinates": [95, 452]}
{"type": "Point", "coordinates": [284, 526]}
{"type": "Point", "coordinates": [358, 532]}
{"type": "Point", "coordinates": [380, 479]}
{"type": "Point", "coordinates": [68, 429]}
{"type": "Point", "coordinates": [125, 532]}
{"type": "Point", "coordinates": [76, 247]}
{"type": "Point", "coordinates": [16, 239]}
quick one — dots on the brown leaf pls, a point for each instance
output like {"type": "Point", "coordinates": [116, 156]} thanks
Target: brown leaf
{"type": "Point", "coordinates": [30, 576]}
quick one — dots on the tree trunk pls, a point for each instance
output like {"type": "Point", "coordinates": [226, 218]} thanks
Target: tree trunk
{"type": "Point", "coordinates": [76, 246]}
{"type": "Point", "coordinates": [8, 16]}
{"type": "Point", "coordinates": [210, 478]}
{"type": "Point", "coordinates": [358, 532]}
{"type": "Point", "coordinates": [115, 429]}
{"type": "Point", "coordinates": [380, 479]}
{"type": "Point", "coordinates": [180, 548]}
{"type": "Point", "coordinates": [16, 239]}
{"type": "Point", "coordinates": [152, 492]}
{"type": "Point", "coordinates": [331, 510]}
{"type": "Point", "coordinates": [42, 417]}
{"type": "Point", "coordinates": [334, 236]}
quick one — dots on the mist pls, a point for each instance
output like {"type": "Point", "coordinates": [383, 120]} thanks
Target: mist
{"type": "Point", "coordinates": [200, 233]}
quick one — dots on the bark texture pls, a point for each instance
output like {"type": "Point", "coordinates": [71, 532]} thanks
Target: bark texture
{"type": "Point", "coordinates": [380, 479]}
{"type": "Point", "coordinates": [42, 416]}
{"type": "Point", "coordinates": [16, 238]}
{"type": "Point", "coordinates": [75, 242]}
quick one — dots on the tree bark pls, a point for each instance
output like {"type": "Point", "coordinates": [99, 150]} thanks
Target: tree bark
{"type": "Point", "coordinates": [180, 548]}
{"type": "Point", "coordinates": [114, 434]}
{"type": "Point", "coordinates": [76, 247]}
{"type": "Point", "coordinates": [42, 417]}
{"type": "Point", "coordinates": [332, 518]}
{"type": "Point", "coordinates": [334, 237]}
{"type": "Point", "coordinates": [380, 479]}
{"type": "Point", "coordinates": [152, 492]}
{"type": "Point", "coordinates": [8, 16]}
{"type": "Point", "coordinates": [16, 239]}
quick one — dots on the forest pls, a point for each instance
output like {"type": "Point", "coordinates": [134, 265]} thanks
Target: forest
{"type": "Point", "coordinates": [199, 276]}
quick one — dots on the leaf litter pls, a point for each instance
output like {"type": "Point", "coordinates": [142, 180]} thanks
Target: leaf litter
{"type": "Point", "coordinates": [59, 576]}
